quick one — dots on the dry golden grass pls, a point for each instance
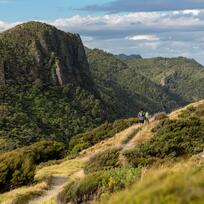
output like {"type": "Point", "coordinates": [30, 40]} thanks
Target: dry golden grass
{"type": "Point", "coordinates": [113, 142]}
{"type": "Point", "coordinates": [65, 168]}
{"type": "Point", "coordinates": [176, 113]}
{"type": "Point", "coordinates": [27, 192]}
{"type": "Point", "coordinates": [50, 201]}
{"type": "Point", "coordinates": [143, 135]}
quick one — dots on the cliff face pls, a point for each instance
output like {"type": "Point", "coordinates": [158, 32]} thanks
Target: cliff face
{"type": "Point", "coordinates": [46, 89]}
{"type": "Point", "coordinates": [35, 50]}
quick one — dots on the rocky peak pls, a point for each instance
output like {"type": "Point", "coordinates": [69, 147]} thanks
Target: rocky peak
{"type": "Point", "coordinates": [34, 51]}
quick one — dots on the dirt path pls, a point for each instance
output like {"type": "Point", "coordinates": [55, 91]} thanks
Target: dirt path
{"type": "Point", "coordinates": [56, 186]}
{"type": "Point", "coordinates": [58, 182]}
{"type": "Point", "coordinates": [130, 143]}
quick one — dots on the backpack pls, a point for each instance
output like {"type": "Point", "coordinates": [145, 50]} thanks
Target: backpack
{"type": "Point", "coordinates": [141, 114]}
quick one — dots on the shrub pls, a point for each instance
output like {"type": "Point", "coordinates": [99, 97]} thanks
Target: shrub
{"type": "Point", "coordinates": [193, 111]}
{"type": "Point", "coordinates": [18, 167]}
{"type": "Point", "coordinates": [188, 112]}
{"type": "Point", "coordinates": [103, 160]}
{"type": "Point", "coordinates": [183, 184]}
{"type": "Point", "coordinates": [160, 116]}
{"type": "Point", "coordinates": [29, 114]}
{"type": "Point", "coordinates": [107, 130]}
{"type": "Point", "coordinates": [172, 139]}
{"type": "Point", "coordinates": [95, 184]}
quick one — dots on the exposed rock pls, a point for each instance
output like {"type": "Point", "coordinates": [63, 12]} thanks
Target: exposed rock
{"type": "Point", "coordinates": [49, 54]}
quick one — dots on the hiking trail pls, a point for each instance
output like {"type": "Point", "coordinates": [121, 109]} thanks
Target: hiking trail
{"type": "Point", "coordinates": [59, 181]}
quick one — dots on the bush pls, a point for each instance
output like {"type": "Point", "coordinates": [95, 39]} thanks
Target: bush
{"type": "Point", "coordinates": [160, 116]}
{"type": "Point", "coordinates": [103, 160]}
{"type": "Point", "coordinates": [193, 111]}
{"type": "Point", "coordinates": [95, 184]}
{"type": "Point", "coordinates": [107, 130]}
{"type": "Point", "coordinates": [172, 139]}
{"type": "Point", "coordinates": [183, 184]}
{"type": "Point", "coordinates": [29, 114]}
{"type": "Point", "coordinates": [18, 167]}
{"type": "Point", "coordinates": [188, 112]}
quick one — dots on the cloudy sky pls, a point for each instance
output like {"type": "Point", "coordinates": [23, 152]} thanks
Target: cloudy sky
{"type": "Point", "coordinates": [147, 27]}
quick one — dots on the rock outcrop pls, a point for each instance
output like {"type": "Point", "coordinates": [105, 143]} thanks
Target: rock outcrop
{"type": "Point", "coordinates": [36, 50]}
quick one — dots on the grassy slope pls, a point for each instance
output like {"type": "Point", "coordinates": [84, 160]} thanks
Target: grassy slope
{"type": "Point", "coordinates": [157, 183]}
{"type": "Point", "coordinates": [181, 183]}
{"type": "Point", "coordinates": [67, 167]}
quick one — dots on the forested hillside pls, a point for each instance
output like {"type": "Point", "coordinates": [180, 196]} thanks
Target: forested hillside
{"type": "Point", "coordinates": [46, 91]}
{"type": "Point", "coordinates": [51, 89]}
{"type": "Point", "coordinates": [182, 76]}
{"type": "Point", "coordinates": [126, 88]}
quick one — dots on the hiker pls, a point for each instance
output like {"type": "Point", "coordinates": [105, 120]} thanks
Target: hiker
{"type": "Point", "coordinates": [141, 116]}
{"type": "Point", "coordinates": [147, 116]}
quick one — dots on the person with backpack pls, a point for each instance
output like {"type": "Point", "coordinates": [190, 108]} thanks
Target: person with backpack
{"type": "Point", "coordinates": [147, 116]}
{"type": "Point", "coordinates": [141, 116]}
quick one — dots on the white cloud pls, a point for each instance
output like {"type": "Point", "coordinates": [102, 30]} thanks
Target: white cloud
{"type": "Point", "coordinates": [143, 37]}
{"type": "Point", "coordinates": [5, 25]}
{"type": "Point", "coordinates": [148, 33]}
{"type": "Point", "coordinates": [133, 21]}
{"type": "Point", "coordinates": [194, 12]}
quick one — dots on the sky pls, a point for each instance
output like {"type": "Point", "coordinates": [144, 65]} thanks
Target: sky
{"type": "Point", "coordinates": [167, 28]}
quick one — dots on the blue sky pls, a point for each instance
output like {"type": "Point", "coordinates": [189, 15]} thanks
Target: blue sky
{"type": "Point", "coordinates": [148, 27]}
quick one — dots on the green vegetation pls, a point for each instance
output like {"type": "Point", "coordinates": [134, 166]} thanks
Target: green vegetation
{"type": "Point", "coordinates": [180, 184]}
{"type": "Point", "coordinates": [193, 111]}
{"type": "Point", "coordinates": [18, 167]}
{"type": "Point", "coordinates": [95, 184]}
{"type": "Point", "coordinates": [104, 160]}
{"type": "Point", "coordinates": [173, 138]}
{"type": "Point", "coordinates": [36, 101]}
{"type": "Point", "coordinates": [46, 113]}
{"type": "Point", "coordinates": [127, 90]}
{"type": "Point", "coordinates": [183, 77]}
{"type": "Point", "coordinates": [107, 130]}
{"type": "Point", "coordinates": [124, 57]}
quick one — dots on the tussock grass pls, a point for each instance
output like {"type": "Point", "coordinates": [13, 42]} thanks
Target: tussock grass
{"type": "Point", "coordinates": [175, 114]}
{"type": "Point", "coordinates": [23, 194]}
{"type": "Point", "coordinates": [94, 185]}
{"type": "Point", "coordinates": [43, 176]}
{"type": "Point", "coordinates": [178, 184]}
{"type": "Point", "coordinates": [65, 168]}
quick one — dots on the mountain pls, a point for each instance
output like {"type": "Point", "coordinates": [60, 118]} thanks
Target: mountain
{"type": "Point", "coordinates": [50, 88]}
{"type": "Point", "coordinates": [46, 91]}
{"type": "Point", "coordinates": [37, 51]}
{"type": "Point", "coordinates": [128, 57]}
{"type": "Point", "coordinates": [182, 76]}
{"type": "Point", "coordinates": [126, 89]}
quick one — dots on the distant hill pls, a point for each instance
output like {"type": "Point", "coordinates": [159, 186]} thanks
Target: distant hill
{"type": "Point", "coordinates": [182, 76]}
{"type": "Point", "coordinates": [126, 89]}
{"type": "Point", "coordinates": [46, 88]}
{"type": "Point", "coordinates": [128, 57]}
